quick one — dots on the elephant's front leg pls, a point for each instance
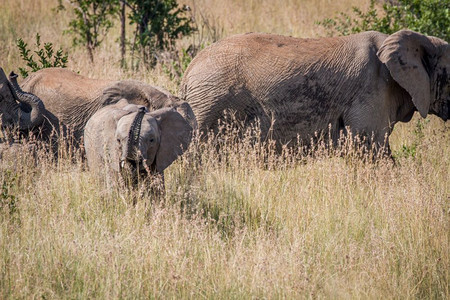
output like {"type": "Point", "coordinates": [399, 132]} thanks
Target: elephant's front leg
{"type": "Point", "coordinates": [156, 185]}
{"type": "Point", "coordinates": [160, 184]}
{"type": "Point", "coordinates": [368, 138]}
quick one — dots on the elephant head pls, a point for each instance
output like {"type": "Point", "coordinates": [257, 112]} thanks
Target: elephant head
{"type": "Point", "coordinates": [138, 141]}
{"type": "Point", "coordinates": [26, 113]}
{"type": "Point", "coordinates": [420, 65]}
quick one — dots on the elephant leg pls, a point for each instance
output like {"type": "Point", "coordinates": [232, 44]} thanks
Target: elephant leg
{"type": "Point", "coordinates": [217, 109]}
{"type": "Point", "coordinates": [369, 135]}
{"type": "Point", "coordinates": [157, 189]}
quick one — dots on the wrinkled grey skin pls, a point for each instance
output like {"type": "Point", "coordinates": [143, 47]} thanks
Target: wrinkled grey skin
{"type": "Point", "coordinates": [71, 99]}
{"type": "Point", "coordinates": [18, 109]}
{"type": "Point", "coordinates": [367, 82]}
{"type": "Point", "coordinates": [161, 137]}
{"type": "Point", "coordinates": [20, 113]}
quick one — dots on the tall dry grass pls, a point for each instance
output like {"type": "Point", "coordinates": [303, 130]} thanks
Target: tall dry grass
{"type": "Point", "coordinates": [241, 222]}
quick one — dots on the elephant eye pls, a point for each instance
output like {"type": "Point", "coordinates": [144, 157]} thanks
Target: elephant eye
{"type": "Point", "coordinates": [152, 140]}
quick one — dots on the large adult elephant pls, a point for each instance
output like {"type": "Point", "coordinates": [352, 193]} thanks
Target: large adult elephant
{"type": "Point", "coordinates": [296, 87]}
{"type": "Point", "coordinates": [71, 99]}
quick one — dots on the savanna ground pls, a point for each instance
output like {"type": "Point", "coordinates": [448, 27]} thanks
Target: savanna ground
{"type": "Point", "coordinates": [242, 223]}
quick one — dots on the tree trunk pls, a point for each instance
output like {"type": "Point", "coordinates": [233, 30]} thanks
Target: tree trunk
{"type": "Point", "coordinates": [89, 39]}
{"type": "Point", "coordinates": [90, 52]}
{"type": "Point", "coordinates": [122, 33]}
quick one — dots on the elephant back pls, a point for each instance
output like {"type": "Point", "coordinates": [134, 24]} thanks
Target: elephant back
{"type": "Point", "coordinates": [139, 93]}
{"type": "Point", "coordinates": [153, 97]}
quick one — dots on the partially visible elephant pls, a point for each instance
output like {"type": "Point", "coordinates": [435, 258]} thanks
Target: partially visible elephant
{"type": "Point", "coordinates": [298, 87]}
{"type": "Point", "coordinates": [19, 109]}
{"type": "Point", "coordinates": [71, 99]}
{"type": "Point", "coordinates": [127, 138]}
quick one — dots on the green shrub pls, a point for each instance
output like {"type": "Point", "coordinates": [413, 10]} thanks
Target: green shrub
{"type": "Point", "coordinates": [175, 67]}
{"type": "Point", "coordinates": [410, 150]}
{"type": "Point", "coordinates": [47, 56]}
{"type": "Point", "coordinates": [93, 19]}
{"type": "Point", "coordinates": [430, 17]}
{"type": "Point", "coordinates": [159, 23]}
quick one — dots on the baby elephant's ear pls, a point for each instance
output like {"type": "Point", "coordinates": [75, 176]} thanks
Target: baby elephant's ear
{"type": "Point", "coordinates": [175, 136]}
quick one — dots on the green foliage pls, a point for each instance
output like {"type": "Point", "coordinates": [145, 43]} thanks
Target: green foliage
{"type": "Point", "coordinates": [175, 68]}
{"type": "Point", "coordinates": [7, 198]}
{"type": "Point", "coordinates": [159, 23]}
{"type": "Point", "coordinates": [430, 17]}
{"type": "Point", "coordinates": [47, 57]}
{"type": "Point", "coordinates": [411, 150]}
{"type": "Point", "coordinates": [93, 19]}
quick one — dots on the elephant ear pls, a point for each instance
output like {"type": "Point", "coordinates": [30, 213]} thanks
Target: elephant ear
{"type": "Point", "coordinates": [175, 136]}
{"type": "Point", "coordinates": [410, 58]}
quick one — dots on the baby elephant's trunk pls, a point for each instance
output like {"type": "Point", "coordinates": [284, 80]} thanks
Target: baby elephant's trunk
{"type": "Point", "coordinates": [133, 154]}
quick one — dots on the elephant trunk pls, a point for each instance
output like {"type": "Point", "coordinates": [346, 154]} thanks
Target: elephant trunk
{"type": "Point", "coordinates": [35, 116]}
{"type": "Point", "coordinates": [134, 135]}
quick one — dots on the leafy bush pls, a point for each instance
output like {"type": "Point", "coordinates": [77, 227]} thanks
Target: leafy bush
{"type": "Point", "coordinates": [92, 21]}
{"type": "Point", "coordinates": [411, 150]}
{"type": "Point", "coordinates": [159, 23]}
{"type": "Point", "coordinates": [175, 67]}
{"type": "Point", "coordinates": [430, 17]}
{"type": "Point", "coordinates": [47, 56]}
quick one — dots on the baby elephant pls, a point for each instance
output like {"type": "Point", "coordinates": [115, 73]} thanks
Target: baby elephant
{"type": "Point", "coordinates": [126, 138]}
